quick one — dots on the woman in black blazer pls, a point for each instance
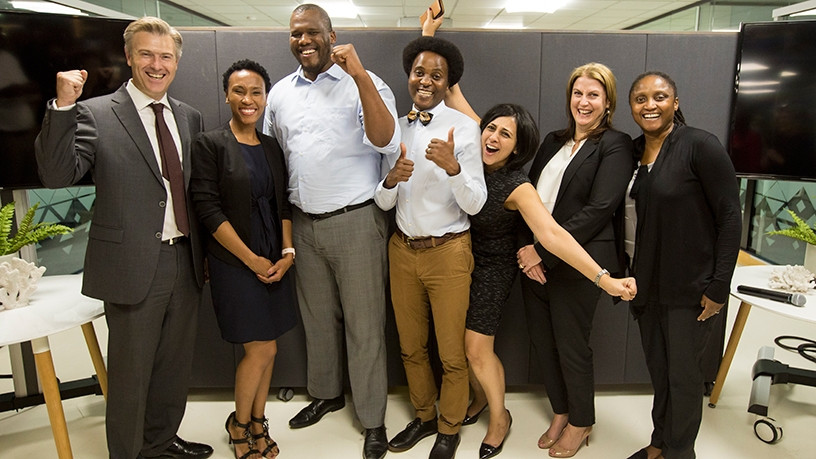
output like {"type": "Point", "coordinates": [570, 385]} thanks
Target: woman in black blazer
{"type": "Point", "coordinates": [238, 185]}
{"type": "Point", "coordinates": [683, 227]}
{"type": "Point", "coordinates": [581, 174]}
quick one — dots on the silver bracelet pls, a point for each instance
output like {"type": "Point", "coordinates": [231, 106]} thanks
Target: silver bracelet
{"type": "Point", "coordinates": [599, 276]}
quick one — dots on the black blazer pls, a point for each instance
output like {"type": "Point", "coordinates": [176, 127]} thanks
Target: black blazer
{"type": "Point", "coordinates": [221, 190]}
{"type": "Point", "coordinates": [591, 190]}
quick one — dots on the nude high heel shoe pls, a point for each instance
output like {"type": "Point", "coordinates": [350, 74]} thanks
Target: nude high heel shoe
{"type": "Point", "coordinates": [558, 451]}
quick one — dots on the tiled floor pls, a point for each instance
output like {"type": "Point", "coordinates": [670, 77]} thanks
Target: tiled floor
{"type": "Point", "coordinates": [623, 424]}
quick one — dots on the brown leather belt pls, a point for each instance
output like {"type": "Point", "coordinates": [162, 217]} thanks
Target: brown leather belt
{"type": "Point", "coordinates": [427, 242]}
{"type": "Point", "coordinates": [340, 211]}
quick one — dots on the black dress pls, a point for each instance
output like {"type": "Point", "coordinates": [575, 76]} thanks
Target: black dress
{"type": "Point", "coordinates": [246, 308]}
{"type": "Point", "coordinates": [493, 233]}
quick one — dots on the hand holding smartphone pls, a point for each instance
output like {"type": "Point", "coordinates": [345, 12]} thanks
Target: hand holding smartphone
{"type": "Point", "coordinates": [437, 8]}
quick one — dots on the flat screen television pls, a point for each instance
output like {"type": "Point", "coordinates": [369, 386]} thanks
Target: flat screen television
{"type": "Point", "coordinates": [33, 48]}
{"type": "Point", "coordinates": [773, 118]}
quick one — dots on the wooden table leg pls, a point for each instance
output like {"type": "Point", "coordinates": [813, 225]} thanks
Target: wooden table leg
{"type": "Point", "coordinates": [730, 350]}
{"type": "Point", "coordinates": [96, 357]}
{"type": "Point", "coordinates": [51, 393]}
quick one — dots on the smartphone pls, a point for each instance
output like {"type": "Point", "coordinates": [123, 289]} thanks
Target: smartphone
{"type": "Point", "coordinates": [437, 8]}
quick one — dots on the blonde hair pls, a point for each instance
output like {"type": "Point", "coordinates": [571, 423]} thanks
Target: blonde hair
{"type": "Point", "coordinates": [153, 25]}
{"type": "Point", "coordinates": [603, 75]}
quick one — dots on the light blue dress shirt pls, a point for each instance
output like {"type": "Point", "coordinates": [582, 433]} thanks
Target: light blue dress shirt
{"type": "Point", "coordinates": [319, 125]}
{"type": "Point", "coordinates": [432, 203]}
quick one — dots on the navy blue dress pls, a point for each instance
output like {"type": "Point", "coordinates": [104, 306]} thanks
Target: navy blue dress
{"type": "Point", "coordinates": [246, 308]}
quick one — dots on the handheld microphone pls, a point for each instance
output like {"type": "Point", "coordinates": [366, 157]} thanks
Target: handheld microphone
{"type": "Point", "coordinates": [796, 299]}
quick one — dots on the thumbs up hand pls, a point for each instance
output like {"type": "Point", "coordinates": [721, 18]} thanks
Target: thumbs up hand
{"type": "Point", "coordinates": [401, 171]}
{"type": "Point", "coordinates": [441, 153]}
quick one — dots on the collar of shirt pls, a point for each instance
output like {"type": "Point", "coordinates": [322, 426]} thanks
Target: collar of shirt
{"type": "Point", "coordinates": [334, 72]}
{"type": "Point", "coordinates": [142, 100]}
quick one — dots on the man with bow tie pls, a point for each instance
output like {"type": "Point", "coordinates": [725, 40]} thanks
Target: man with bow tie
{"type": "Point", "coordinates": [436, 182]}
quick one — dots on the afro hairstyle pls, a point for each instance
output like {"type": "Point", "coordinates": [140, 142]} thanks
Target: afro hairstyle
{"type": "Point", "coordinates": [446, 49]}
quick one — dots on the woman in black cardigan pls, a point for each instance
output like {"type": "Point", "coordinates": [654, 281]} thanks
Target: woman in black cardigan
{"type": "Point", "coordinates": [238, 186]}
{"type": "Point", "coordinates": [683, 230]}
{"type": "Point", "coordinates": [581, 174]}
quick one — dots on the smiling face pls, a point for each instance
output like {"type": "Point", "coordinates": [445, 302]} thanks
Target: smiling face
{"type": "Point", "coordinates": [311, 41]}
{"type": "Point", "coordinates": [588, 104]}
{"type": "Point", "coordinates": [152, 59]}
{"type": "Point", "coordinates": [428, 80]}
{"type": "Point", "coordinates": [653, 103]}
{"type": "Point", "coordinates": [498, 142]}
{"type": "Point", "coordinates": [246, 97]}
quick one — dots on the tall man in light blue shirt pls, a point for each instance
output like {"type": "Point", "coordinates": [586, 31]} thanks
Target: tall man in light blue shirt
{"type": "Point", "coordinates": [336, 122]}
{"type": "Point", "coordinates": [436, 182]}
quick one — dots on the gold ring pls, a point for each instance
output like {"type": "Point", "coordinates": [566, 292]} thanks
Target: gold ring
{"type": "Point", "coordinates": [521, 266]}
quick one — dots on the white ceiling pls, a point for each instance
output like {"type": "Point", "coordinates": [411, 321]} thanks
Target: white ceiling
{"type": "Point", "coordinates": [461, 14]}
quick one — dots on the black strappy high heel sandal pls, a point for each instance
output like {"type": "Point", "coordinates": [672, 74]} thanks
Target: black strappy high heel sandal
{"type": "Point", "coordinates": [271, 445]}
{"type": "Point", "coordinates": [246, 437]}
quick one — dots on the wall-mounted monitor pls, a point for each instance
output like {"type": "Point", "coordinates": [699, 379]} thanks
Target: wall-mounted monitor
{"type": "Point", "coordinates": [773, 121]}
{"type": "Point", "coordinates": [33, 48]}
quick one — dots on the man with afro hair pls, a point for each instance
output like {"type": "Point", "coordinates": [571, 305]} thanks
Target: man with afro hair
{"type": "Point", "coordinates": [435, 184]}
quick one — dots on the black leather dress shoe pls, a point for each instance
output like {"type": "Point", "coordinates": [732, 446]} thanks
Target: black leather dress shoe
{"type": "Point", "coordinates": [187, 450]}
{"type": "Point", "coordinates": [415, 431]}
{"type": "Point", "coordinates": [445, 446]}
{"type": "Point", "coordinates": [376, 443]}
{"type": "Point", "coordinates": [315, 411]}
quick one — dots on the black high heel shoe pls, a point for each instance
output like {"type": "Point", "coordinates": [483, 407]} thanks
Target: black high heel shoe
{"type": "Point", "coordinates": [487, 451]}
{"type": "Point", "coordinates": [271, 445]}
{"type": "Point", "coordinates": [472, 419]}
{"type": "Point", "coordinates": [246, 437]}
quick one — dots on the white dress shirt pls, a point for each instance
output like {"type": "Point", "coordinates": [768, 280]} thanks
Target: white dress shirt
{"type": "Point", "coordinates": [432, 203]}
{"type": "Point", "coordinates": [319, 125]}
{"type": "Point", "coordinates": [549, 181]}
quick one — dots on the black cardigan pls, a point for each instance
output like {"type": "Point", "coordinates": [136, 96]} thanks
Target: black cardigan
{"type": "Point", "coordinates": [688, 222]}
{"type": "Point", "coordinates": [220, 185]}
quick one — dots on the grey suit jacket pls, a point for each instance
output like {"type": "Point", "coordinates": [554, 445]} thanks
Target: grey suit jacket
{"type": "Point", "coordinates": [106, 136]}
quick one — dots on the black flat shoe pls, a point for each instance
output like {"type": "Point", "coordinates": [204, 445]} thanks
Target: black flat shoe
{"type": "Point", "coordinates": [187, 449]}
{"type": "Point", "coordinates": [415, 431]}
{"type": "Point", "coordinates": [315, 411]}
{"type": "Point", "coordinates": [486, 451]}
{"type": "Point", "coordinates": [445, 446]}
{"type": "Point", "coordinates": [376, 443]}
{"type": "Point", "coordinates": [472, 419]}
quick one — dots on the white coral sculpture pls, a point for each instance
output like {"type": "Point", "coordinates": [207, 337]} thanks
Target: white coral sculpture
{"type": "Point", "coordinates": [18, 280]}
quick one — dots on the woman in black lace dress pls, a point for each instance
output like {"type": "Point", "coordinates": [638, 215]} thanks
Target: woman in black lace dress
{"type": "Point", "coordinates": [509, 140]}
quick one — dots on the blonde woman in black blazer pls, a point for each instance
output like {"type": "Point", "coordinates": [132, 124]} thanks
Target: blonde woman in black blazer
{"type": "Point", "coordinates": [594, 163]}
{"type": "Point", "coordinates": [239, 186]}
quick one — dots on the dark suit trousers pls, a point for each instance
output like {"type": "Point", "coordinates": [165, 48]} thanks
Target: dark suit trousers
{"type": "Point", "coordinates": [559, 320]}
{"type": "Point", "coordinates": [674, 343]}
{"type": "Point", "coordinates": [150, 351]}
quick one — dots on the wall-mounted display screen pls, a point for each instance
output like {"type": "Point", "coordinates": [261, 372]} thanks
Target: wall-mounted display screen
{"type": "Point", "coordinates": [33, 48]}
{"type": "Point", "coordinates": [773, 124]}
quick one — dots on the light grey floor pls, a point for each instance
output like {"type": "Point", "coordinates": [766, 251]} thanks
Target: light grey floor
{"type": "Point", "coordinates": [623, 423]}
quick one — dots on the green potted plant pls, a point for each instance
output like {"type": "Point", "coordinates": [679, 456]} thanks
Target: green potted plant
{"type": "Point", "coordinates": [801, 231]}
{"type": "Point", "coordinates": [27, 233]}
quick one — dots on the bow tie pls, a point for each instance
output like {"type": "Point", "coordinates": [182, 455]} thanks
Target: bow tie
{"type": "Point", "coordinates": [424, 117]}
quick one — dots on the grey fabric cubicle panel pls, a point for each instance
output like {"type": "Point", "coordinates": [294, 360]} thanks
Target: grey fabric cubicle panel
{"type": "Point", "coordinates": [197, 74]}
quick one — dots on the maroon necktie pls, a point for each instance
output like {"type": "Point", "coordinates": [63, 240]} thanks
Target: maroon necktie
{"type": "Point", "coordinates": [171, 169]}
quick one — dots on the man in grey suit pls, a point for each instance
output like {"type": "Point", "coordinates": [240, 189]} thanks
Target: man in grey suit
{"type": "Point", "coordinates": [144, 259]}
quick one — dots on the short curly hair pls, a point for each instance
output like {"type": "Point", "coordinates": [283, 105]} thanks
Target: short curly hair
{"type": "Point", "coordinates": [446, 49]}
{"type": "Point", "coordinates": [252, 66]}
